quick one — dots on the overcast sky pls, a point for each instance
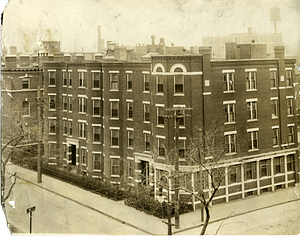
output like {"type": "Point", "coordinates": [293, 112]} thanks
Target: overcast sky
{"type": "Point", "coordinates": [182, 22]}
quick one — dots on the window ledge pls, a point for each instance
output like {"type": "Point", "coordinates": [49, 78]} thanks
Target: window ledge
{"type": "Point", "coordinates": [83, 164]}
{"type": "Point", "coordinates": [276, 146]}
{"type": "Point", "coordinates": [95, 89]}
{"type": "Point", "coordinates": [26, 116]}
{"type": "Point", "coordinates": [228, 92]}
{"type": "Point", "coordinates": [273, 88]}
{"type": "Point", "coordinates": [130, 177]}
{"type": "Point", "coordinates": [251, 90]}
{"type": "Point", "coordinates": [227, 123]}
{"type": "Point", "coordinates": [95, 170]}
{"type": "Point", "coordinates": [65, 134]}
{"type": "Point", "coordinates": [113, 90]}
{"type": "Point", "coordinates": [148, 122]}
{"type": "Point", "coordinates": [96, 143]}
{"type": "Point", "coordinates": [129, 119]}
{"type": "Point", "coordinates": [129, 90]}
{"type": "Point", "coordinates": [274, 117]}
{"type": "Point", "coordinates": [290, 144]}
{"type": "Point", "coordinates": [161, 158]}
{"type": "Point", "coordinates": [82, 138]}
{"type": "Point", "coordinates": [51, 86]}
{"type": "Point", "coordinates": [51, 133]}
{"type": "Point", "coordinates": [146, 92]}
{"type": "Point", "coordinates": [161, 94]}
{"type": "Point", "coordinates": [290, 115]}
{"type": "Point", "coordinates": [182, 159]}
{"type": "Point", "coordinates": [230, 154]}
{"type": "Point", "coordinates": [81, 87]}
{"type": "Point", "coordinates": [148, 152]}
{"type": "Point", "coordinates": [114, 118]}
{"type": "Point", "coordinates": [130, 148]}
{"type": "Point", "coordinates": [252, 120]}
{"type": "Point", "coordinates": [160, 126]}
{"type": "Point", "coordinates": [70, 87]}
{"type": "Point", "coordinates": [81, 113]}
{"type": "Point", "coordinates": [178, 94]}
{"type": "Point", "coordinates": [64, 85]}
{"type": "Point", "coordinates": [115, 176]}
{"type": "Point", "coordinates": [96, 116]}
{"type": "Point", "coordinates": [52, 110]}
{"type": "Point", "coordinates": [69, 111]}
{"type": "Point", "coordinates": [114, 147]}
{"type": "Point", "coordinates": [253, 150]}
{"type": "Point", "coordinates": [289, 87]}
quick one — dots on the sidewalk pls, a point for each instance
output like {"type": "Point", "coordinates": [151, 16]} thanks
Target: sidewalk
{"type": "Point", "coordinates": [150, 224]}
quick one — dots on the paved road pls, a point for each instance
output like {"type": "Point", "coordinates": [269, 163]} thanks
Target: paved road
{"type": "Point", "coordinates": [57, 215]}
{"type": "Point", "coordinates": [283, 219]}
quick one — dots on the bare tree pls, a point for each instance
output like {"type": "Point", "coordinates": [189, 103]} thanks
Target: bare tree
{"type": "Point", "coordinates": [208, 166]}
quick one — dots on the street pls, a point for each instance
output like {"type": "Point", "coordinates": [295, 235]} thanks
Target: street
{"type": "Point", "coordinates": [57, 215]}
{"type": "Point", "coordinates": [61, 208]}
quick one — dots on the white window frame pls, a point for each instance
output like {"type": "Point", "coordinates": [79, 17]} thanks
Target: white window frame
{"type": "Point", "coordinates": [94, 100]}
{"type": "Point", "coordinates": [112, 158]}
{"type": "Point", "coordinates": [129, 112]}
{"type": "Point", "coordinates": [50, 120]}
{"type": "Point", "coordinates": [231, 135]}
{"type": "Point", "coordinates": [146, 104]}
{"type": "Point", "coordinates": [94, 127]}
{"type": "Point", "coordinates": [288, 77]}
{"type": "Point", "coordinates": [290, 110]}
{"type": "Point", "coordinates": [253, 131]}
{"type": "Point", "coordinates": [276, 130]}
{"type": "Point", "coordinates": [111, 102]}
{"type": "Point", "coordinates": [82, 78]}
{"type": "Point", "coordinates": [82, 129]}
{"type": "Point", "coordinates": [83, 161]}
{"type": "Point", "coordinates": [251, 79]}
{"type": "Point", "coordinates": [293, 133]}
{"type": "Point", "coordinates": [82, 104]}
{"type": "Point", "coordinates": [158, 107]}
{"type": "Point", "coordinates": [64, 78]}
{"type": "Point", "coordinates": [253, 116]}
{"type": "Point", "coordinates": [49, 73]}
{"type": "Point", "coordinates": [94, 72]}
{"type": "Point", "coordinates": [159, 138]}
{"type": "Point", "coordinates": [181, 76]}
{"type": "Point", "coordinates": [112, 82]}
{"type": "Point", "coordinates": [227, 105]}
{"type": "Point", "coordinates": [27, 80]}
{"type": "Point", "coordinates": [147, 134]}
{"type": "Point", "coordinates": [129, 75]}
{"type": "Point", "coordinates": [274, 102]}
{"type": "Point", "coordinates": [157, 79]}
{"type": "Point", "coordinates": [146, 75]}
{"type": "Point", "coordinates": [94, 154]}
{"type": "Point", "coordinates": [129, 132]}
{"type": "Point", "coordinates": [273, 72]}
{"type": "Point", "coordinates": [50, 96]}
{"type": "Point", "coordinates": [226, 81]}
{"type": "Point", "coordinates": [70, 78]}
{"type": "Point", "coordinates": [114, 129]}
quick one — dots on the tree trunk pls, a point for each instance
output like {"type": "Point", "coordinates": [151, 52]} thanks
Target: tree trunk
{"type": "Point", "coordinates": [206, 220]}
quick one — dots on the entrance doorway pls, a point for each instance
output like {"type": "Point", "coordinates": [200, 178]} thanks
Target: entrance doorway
{"type": "Point", "coordinates": [73, 154]}
{"type": "Point", "coordinates": [145, 172]}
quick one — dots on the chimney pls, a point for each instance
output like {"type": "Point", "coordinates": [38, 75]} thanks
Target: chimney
{"type": "Point", "coordinates": [231, 50]}
{"type": "Point", "coordinates": [11, 61]}
{"type": "Point", "coordinates": [153, 44]}
{"type": "Point", "coordinates": [279, 52]}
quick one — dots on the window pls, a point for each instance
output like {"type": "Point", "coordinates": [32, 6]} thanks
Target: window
{"type": "Point", "coordinates": [160, 115]}
{"type": "Point", "coordinates": [275, 136]}
{"type": "Point", "coordinates": [146, 112]}
{"type": "Point", "coordinates": [161, 147]}
{"type": "Point", "coordinates": [251, 80]}
{"type": "Point", "coordinates": [180, 117]}
{"type": "Point", "coordinates": [130, 168]}
{"type": "Point", "coordinates": [65, 127]}
{"type": "Point", "coordinates": [82, 79]}
{"type": "Point", "coordinates": [64, 76]}
{"type": "Point", "coordinates": [26, 108]}
{"type": "Point", "coordinates": [181, 149]}
{"type": "Point", "coordinates": [278, 165]}
{"type": "Point", "coordinates": [52, 102]}
{"type": "Point", "coordinates": [289, 102]}
{"type": "Point", "coordinates": [70, 78]}
{"type": "Point", "coordinates": [146, 81]}
{"type": "Point", "coordinates": [96, 161]}
{"type": "Point", "coordinates": [82, 105]}
{"type": "Point", "coordinates": [65, 103]}
{"type": "Point", "coordinates": [288, 77]}
{"type": "Point", "coordinates": [130, 138]}
{"type": "Point", "coordinates": [52, 126]}
{"type": "Point", "coordinates": [250, 170]}
{"type": "Point", "coordinates": [129, 81]}
{"type": "Point", "coordinates": [115, 166]}
{"type": "Point", "coordinates": [70, 104]}
{"type": "Point", "coordinates": [290, 163]}
{"type": "Point", "coordinates": [82, 130]}
{"type": "Point", "coordinates": [96, 107]}
{"type": "Point", "coordinates": [114, 108]}
{"type": "Point", "coordinates": [234, 174]}
{"type": "Point", "coordinates": [230, 143]}
{"type": "Point", "coordinates": [147, 141]}
{"type": "Point", "coordinates": [178, 84]}
{"type": "Point", "coordinates": [228, 80]}
{"type": "Point", "coordinates": [114, 135]}
{"type": "Point", "coordinates": [159, 84]}
{"type": "Point", "coordinates": [291, 134]}
{"type": "Point", "coordinates": [96, 134]}
{"type": "Point", "coordinates": [64, 151]}
{"type": "Point", "coordinates": [114, 81]}
{"type": "Point", "coordinates": [83, 155]}
{"type": "Point", "coordinates": [265, 169]}
{"type": "Point", "coordinates": [70, 128]}
{"type": "Point", "coordinates": [52, 78]}
{"type": "Point", "coordinates": [252, 140]}
{"type": "Point", "coordinates": [96, 79]}
{"type": "Point", "coordinates": [273, 78]}
{"type": "Point", "coordinates": [252, 110]}
{"type": "Point", "coordinates": [229, 113]}
{"type": "Point", "coordinates": [52, 149]}
{"type": "Point", "coordinates": [274, 107]}
{"type": "Point", "coordinates": [25, 83]}
{"type": "Point", "coordinates": [130, 110]}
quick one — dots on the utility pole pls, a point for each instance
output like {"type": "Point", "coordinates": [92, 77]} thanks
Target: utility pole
{"type": "Point", "coordinates": [179, 113]}
{"type": "Point", "coordinates": [39, 168]}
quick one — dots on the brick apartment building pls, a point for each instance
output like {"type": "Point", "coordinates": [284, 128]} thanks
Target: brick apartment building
{"type": "Point", "coordinates": [107, 118]}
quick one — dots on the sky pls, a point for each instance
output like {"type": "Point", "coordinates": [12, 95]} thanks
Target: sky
{"type": "Point", "coordinates": [131, 22]}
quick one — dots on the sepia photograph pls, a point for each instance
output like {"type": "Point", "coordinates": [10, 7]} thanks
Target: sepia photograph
{"type": "Point", "coordinates": [150, 117]}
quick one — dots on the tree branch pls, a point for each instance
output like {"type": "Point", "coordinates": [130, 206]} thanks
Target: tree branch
{"type": "Point", "coordinates": [10, 188]}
